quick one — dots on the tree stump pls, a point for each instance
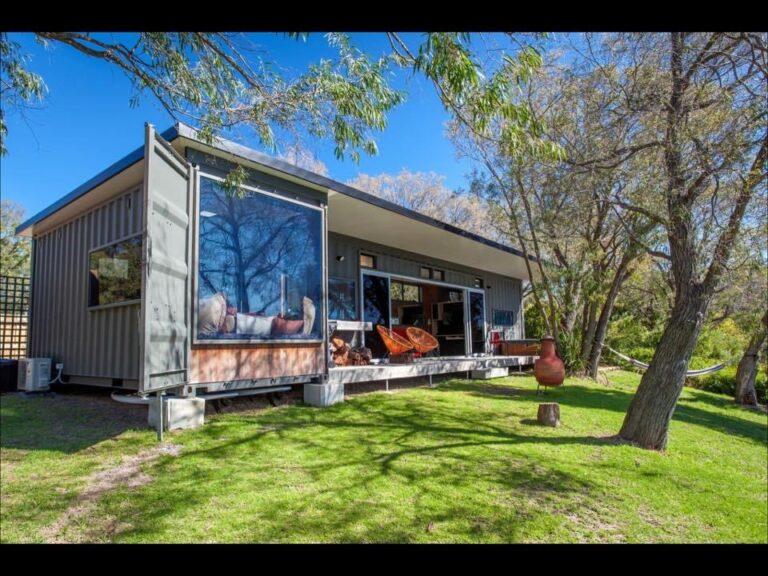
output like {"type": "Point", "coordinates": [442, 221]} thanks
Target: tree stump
{"type": "Point", "coordinates": [549, 414]}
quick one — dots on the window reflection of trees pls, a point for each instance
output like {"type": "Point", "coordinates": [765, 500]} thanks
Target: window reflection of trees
{"type": "Point", "coordinates": [262, 252]}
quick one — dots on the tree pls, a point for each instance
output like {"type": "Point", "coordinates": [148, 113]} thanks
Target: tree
{"type": "Point", "coordinates": [14, 251]}
{"type": "Point", "coordinates": [302, 157]}
{"type": "Point", "coordinates": [699, 104]}
{"type": "Point", "coordinates": [427, 193]}
{"type": "Point", "coordinates": [746, 373]}
{"type": "Point", "coordinates": [218, 81]}
{"type": "Point", "coordinates": [559, 210]}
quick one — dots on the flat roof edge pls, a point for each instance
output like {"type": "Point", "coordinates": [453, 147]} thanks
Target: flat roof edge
{"type": "Point", "coordinates": [257, 157]}
{"type": "Point", "coordinates": [182, 130]}
{"type": "Point", "coordinates": [125, 162]}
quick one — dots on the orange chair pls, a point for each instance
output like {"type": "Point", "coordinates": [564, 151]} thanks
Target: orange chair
{"type": "Point", "coordinates": [395, 344]}
{"type": "Point", "coordinates": [422, 340]}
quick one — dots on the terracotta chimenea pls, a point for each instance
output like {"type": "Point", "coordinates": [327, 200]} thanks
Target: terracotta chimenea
{"type": "Point", "coordinates": [549, 369]}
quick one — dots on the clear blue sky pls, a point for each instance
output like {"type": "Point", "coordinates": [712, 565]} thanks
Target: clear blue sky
{"type": "Point", "coordinates": [85, 123]}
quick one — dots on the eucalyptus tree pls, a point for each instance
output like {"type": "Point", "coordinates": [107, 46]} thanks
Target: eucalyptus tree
{"type": "Point", "coordinates": [426, 192]}
{"type": "Point", "coordinates": [746, 373]}
{"type": "Point", "coordinates": [220, 80]}
{"type": "Point", "coordinates": [557, 207]}
{"type": "Point", "coordinates": [14, 251]}
{"type": "Point", "coordinates": [699, 107]}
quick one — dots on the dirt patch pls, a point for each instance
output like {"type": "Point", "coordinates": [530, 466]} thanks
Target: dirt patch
{"type": "Point", "coordinates": [128, 473]}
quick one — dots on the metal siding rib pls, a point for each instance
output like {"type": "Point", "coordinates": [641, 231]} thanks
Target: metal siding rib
{"type": "Point", "coordinates": [99, 343]}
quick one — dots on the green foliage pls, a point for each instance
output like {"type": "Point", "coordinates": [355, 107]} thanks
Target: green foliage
{"type": "Point", "coordinates": [217, 81]}
{"type": "Point", "coordinates": [723, 341]}
{"type": "Point", "coordinates": [484, 97]}
{"type": "Point", "coordinates": [535, 325]}
{"type": "Point", "coordinates": [719, 342]}
{"type": "Point", "coordinates": [724, 382]}
{"type": "Point", "coordinates": [625, 333]}
{"type": "Point", "coordinates": [18, 86]}
{"type": "Point", "coordinates": [569, 351]}
{"type": "Point", "coordinates": [14, 251]}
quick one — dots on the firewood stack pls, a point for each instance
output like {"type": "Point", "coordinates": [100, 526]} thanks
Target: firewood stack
{"type": "Point", "coordinates": [343, 355]}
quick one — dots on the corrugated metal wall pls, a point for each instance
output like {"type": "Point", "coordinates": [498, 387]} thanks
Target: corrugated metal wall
{"type": "Point", "coordinates": [102, 342]}
{"type": "Point", "coordinates": [503, 292]}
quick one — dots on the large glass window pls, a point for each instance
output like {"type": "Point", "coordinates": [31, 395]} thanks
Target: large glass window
{"type": "Point", "coordinates": [115, 273]}
{"type": "Point", "coordinates": [342, 299]}
{"type": "Point", "coordinates": [404, 292]}
{"type": "Point", "coordinates": [259, 267]}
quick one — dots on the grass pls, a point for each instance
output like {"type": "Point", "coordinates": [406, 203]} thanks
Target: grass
{"type": "Point", "coordinates": [464, 462]}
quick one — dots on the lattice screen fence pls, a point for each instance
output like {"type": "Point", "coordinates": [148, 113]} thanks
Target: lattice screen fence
{"type": "Point", "coordinates": [14, 316]}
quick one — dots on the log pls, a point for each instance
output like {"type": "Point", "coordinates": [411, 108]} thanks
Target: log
{"type": "Point", "coordinates": [404, 358]}
{"type": "Point", "coordinates": [338, 343]}
{"type": "Point", "coordinates": [549, 414]}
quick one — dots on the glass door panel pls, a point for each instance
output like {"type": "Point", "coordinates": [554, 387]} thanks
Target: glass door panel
{"type": "Point", "coordinates": [477, 322]}
{"type": "Point", "coordinates": [376, 311]}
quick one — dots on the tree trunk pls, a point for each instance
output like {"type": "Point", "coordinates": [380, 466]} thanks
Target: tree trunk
{"type": "Point", "coordinates": [598, 338]}
{"type": "Point", "coordinates": [647, 420]}
{"type": "Point", "coordinates": [588, 331]}
{"type": "Point", "coordinates": [746, 373]}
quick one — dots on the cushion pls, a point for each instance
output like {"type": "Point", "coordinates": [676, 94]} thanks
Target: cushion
{"type": "Point", "coordinates": [309, 315]}
{"type": "Point", "coordinates": [257, 326]}
{"type": "Point", "coordinates": [283, 327]}
{"type": "Point", "coordinates": [211, 313]}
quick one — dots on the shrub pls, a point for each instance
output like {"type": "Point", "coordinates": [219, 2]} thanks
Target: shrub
{"type": "Point", "coordinates": [721, 342]}
{"type": "Point", "coordinates": [724, 382]}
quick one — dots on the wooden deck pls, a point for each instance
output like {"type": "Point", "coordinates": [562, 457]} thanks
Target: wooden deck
{"type": "Point", "coordinates": [423, 368]}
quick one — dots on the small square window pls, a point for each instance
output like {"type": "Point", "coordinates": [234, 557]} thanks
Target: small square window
{"type": "Point", "coordinates": [367, 261]}
{"type": "Point", "coordinates": [114, 273]}
{"type": "Point", "coordinates": [425, 272]}
{"type": "Point", "coordinates": [478, 282]}
{"type": "Point", "coordinates": [438, 275]}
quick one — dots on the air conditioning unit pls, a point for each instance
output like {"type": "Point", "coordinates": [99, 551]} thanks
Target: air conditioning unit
{"type": "Point", "coordinates": [34, 374]}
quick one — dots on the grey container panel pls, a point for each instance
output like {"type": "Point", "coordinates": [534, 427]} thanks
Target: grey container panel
{"type": "Point", "coordinates": [101, 342]}
{"type": "Point", "coordinates": [267, 182]}
{"type": "Point", "coordinates": [504, 293]}
{"type": "Point", "coordinates": [166, 271]}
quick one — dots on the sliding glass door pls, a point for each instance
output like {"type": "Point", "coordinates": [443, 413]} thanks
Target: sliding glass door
{"type": "Point", "coordinates": [376, 310]}
{"type": "Point", "coordinates": [476, 316]}
{"type": "Point", "coordinates": [452, 314]}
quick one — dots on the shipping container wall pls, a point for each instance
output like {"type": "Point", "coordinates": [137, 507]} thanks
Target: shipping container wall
{"type": "Point", "coordinates": [260, 363]}
{"type": "Point", "coordinates": [99, 344]}
{"type": "Point", "coordinates": [502, 292]}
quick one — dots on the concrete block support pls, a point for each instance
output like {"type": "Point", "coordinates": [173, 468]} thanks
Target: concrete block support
{"type": "Point", "coordinates": [488, 373]}
{"type": "Point", "coordinates": [323, 394]}
{"type": "Point", "coordinates": [179, 413]}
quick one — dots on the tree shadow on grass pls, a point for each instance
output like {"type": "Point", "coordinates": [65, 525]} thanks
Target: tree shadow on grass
{"type": "Point", "coordinates": [618, 400]}
{"type": "Point", "coordinates": [63, 422]}
{"type": "Point", "coordinates": [360, 473]}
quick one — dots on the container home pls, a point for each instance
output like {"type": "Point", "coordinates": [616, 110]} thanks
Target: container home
{"type": "Point", "coordinates": [154, 276]}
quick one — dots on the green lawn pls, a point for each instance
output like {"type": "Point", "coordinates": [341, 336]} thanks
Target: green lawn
{"type": "Point", "coordinates": [464, 462]}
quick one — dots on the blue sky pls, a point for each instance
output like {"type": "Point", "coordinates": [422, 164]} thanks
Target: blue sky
{"type": "Point", "coordinates": [85, 123]}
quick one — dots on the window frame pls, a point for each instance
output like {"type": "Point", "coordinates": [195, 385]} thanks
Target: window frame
{"type": "Point", "coordinates": [354, 292]}
{"type": "Point", "coordinates": [428, 270]}
{"type": "Point", "coordinates": [132, 302]}
{"type": "Point", "coordinates": [435, 272]}
{"type": "Point", "coordinates": [195, 263]}
{"type": "Point", "coordinates": [360, 261]}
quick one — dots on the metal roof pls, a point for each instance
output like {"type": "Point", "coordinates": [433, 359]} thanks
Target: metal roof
{"type": "Point", "coordinates": [184, 131]}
